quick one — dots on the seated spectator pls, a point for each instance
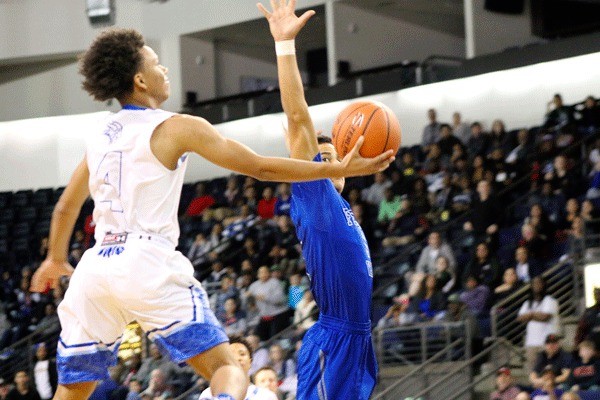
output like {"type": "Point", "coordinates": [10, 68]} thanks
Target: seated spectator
{"type": "Point", "coordinates": [478, 142]}
{"type": "Point", "coordinates": [429, 301]}
{"type": "Point", "coordinates": [538, 218]}
{"type": "Point", "coordinates": [50, 321]}
{"type": "Point", "coordinates": [266, 378]}
{"type": "Point", "coordinates": [283, 366]}
{"type": "Point", "coordinates": [551, 202]}
{"type": "Point", "coordinates": [483, 221]}
{"type": "Point", "coordinates": [419, 197]}
{"type": "Point", "coordinates": [559, 116]}
{"type": "Point", "coordinates": [585, 369]}
{"type": "Point", "coordinates": [435, 161]}
{"type": "Point", "coordinates": [22, 389]}
{"type": "Point", "coordinates": [483, 266]}
{"type": "Point", "coordinates": [555, 356]}
{"type": "Point", "coordinates": [398, 315]}
{"type": "Point", "coordinates": [593, 191]}
{"type": "Point", "coordinates": [375, 193]}
{"type": "Point", "coordinates": [198, 252]}
{"type": "Point", "coordinates": [242, 352]}
{"type": "Point", "coordinates": [232, 192]}
{"type": "Point", "coordinates": [588, 327]}
{"type": "Point", "coordinates": [435, 248]}
{"type": "Point", "coordinates": [431, 132]}
{"type": "Point", "coordinates": [447, 140]}
{"type": "Point", "coordinates": [589, 117]}
{"type": "Point", "coordinates": [404, 228]}
{"type": "Point", "coordinates": [306, 314]}
{"type": "Point", "coordinates": [201, 202]}
{"type": "Point", "coordinates": [571, 211]}
{"type": "Point", "coordinates": [510, 284]}
{"type": "Point", "coordinates": [525, 268]}
{"type": "Point", "coordinates": [576, 239]}
{"type": "Point", "coordinates": [537, 248]}
{"type": "Point", "coordinates": [516, 157]}
{"type": "Point", "coordinates": [217, 272]}
{"type": "Point", "coordinates": [459, 312]}
{"type": "Point", "coordinates": [563, 180]}
{"type": "Point", "coordinates": [233, 319]}
{"type": "Point", "coordinates": [284, 199]}
{"type": "Point", "coordinates": [158, 386]}
{"type": "Point", "coordinates": [590, 215]}
{"type": "Point", "coordinates": [252, 314]}
{"type": "Point", "coordinates": [444, 276]}
{"type": "Point", "coordinates": [540, 313]}
{"type": "Point", "coordinates": [548, 389]}
{"type": "Point", "coordinates": [388, 208]}
{"type": "Point", "coordinates": [475, 296]}
{"type": "Point", "coordinates": [154, 362]}
{"type": "Point", "coordinates": [505, 386]}
{"type": "Point", "coordinates": [442, 200]}
{"type": "Point", "coordinates": [266, 206]}
{"type": "Point", "coordinates": [238, 226]}
{"type": "Point", "coordinates": [570, 396]}
{"type": "Point", "coordinates": [499, 139]}
{"type": "Point", "coordinates": [260, 357]}
{"type": "Point", "coordinates": [250, 197]}
{"type": "Point", "coordinates": [461, 130]}
{"type": "Point", "coordinates": [135, 390]}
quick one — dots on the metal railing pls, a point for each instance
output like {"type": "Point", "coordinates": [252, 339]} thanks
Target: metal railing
{"type": "Point", "coordinates": [21, 355]}
{"type": "Point", "coordinates": [563, 282]}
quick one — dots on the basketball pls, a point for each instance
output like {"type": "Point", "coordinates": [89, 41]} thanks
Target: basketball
{"type": "Point", "coordinates": [373, 120]}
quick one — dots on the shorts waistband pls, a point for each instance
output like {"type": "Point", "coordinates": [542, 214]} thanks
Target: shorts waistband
{"type": "Point", "coordinates": [359, 328]}
{"type": "Point", "coordinates": [111, 239]}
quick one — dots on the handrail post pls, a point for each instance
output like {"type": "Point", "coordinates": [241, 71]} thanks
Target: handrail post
{"type": "Point", "coordinates": [423, 344]}
{"type": "Point", "coordinates": [494, 321]}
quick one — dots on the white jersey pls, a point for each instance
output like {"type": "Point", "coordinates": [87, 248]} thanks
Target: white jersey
{"type": "Point", "coordinates": [132, 190]}
{"type": "Point", "coordinates": [253, 393]}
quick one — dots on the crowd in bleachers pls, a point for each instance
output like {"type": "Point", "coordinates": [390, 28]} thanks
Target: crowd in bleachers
{"type": "Point", "coordinates": [445, 196]}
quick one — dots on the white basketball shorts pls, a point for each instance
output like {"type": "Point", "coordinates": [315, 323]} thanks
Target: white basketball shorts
{"type": "Point", "coordinates": [131, 277]}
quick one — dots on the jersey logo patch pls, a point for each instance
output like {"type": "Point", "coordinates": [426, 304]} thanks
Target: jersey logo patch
{"type": "Point", "coordinates": [113, 131]}
{"type": "Point", "coordinates": [111, 239]}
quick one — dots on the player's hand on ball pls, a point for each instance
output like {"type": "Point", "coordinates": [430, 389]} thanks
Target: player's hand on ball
{"type": "Point", "coordinates": [283, 22]}
{"type": "Point", "coordinates": [356, 165]}
{"type": "Point", "coordinates": [48, 275]}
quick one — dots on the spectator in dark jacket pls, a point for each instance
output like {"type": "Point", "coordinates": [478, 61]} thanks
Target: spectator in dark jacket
{"type": "Point", "coordinates": [585, 370]}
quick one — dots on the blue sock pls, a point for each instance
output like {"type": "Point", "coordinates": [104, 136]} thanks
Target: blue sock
{"type": "Point", "coordinates": [223, 396]}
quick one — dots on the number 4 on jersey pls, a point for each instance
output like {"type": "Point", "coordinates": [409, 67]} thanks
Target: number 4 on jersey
{"type": "Point", "coordinates": [109, 170]}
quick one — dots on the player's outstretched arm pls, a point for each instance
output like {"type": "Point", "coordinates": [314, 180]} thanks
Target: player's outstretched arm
{"type": "Point", "coordinates": [193, 134]}
{"type": "Point", "coordinates": [284, 26]}
{"type": "Point", "coordinates": [63, 221]}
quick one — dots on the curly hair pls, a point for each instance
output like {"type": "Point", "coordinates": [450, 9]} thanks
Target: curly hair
{"type": "Point", "coordinates": [109, 65]}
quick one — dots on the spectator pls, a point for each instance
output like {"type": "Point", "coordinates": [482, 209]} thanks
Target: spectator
{"type": "Point", "coordinates": [232, 192]}
{"type": "Point", "coordinates": [505, 386]}
{"type": "Point", "coordinates": [227, 291]}
{"type": "Point", "coordinates": [375, 193]}
{"type": "Point", "coordinates": [405, 227]}
{"type": "Point", "coordinates": [435, 248]}
{"type": "Point", "coordinates": [517, 156]}
{"type": "Point", "coordinates": [552, 355]}
{"type": "Point", "coordinates": [459, 312]}
{"type": "Point", "coordinates": [201, 202]}
{"type": "Point", "coordinates": [538, 218]}
{"type": "Point", "coordinates": [283, 367]}
{"type": "Point", "coordinates": [242, 352]}
{"type": "Point", "coordinates": [563, 180]}
{"type": "Point", "coordinates": [585, 369]}
{"type": "Point", "coordinates": [447, 140]}
{"type": "Point", "coordinates": [50, 321]}
{"type": "Point", "coordinates": [306, 314]}
{"type": "Point", "coordinates": [419, 197]}
{"type": "Point", "coordinates": [444, 276]}
{"type": "Point", "coordinates": [510, 284]}
{"type": "Point", "coordinates": [461, 130]}
{"type": "Point", "coordinates": [484, 219]}
{"type": "Point", "coordinates": [266, 378]}
{"type": "Point", "coordinates": [5, 388]}
{"type": "Point", "coordinates": [483, 266]}
{"type": "Point", "coordinates": [540, 313]}
{"type": "Point", "coordinates": [548, 390]}
{"type": "Point", "coordinates": [593, 192]}
{"type": "Point", "coordinates": [499, 137]}
{"type": "Point", "coordinates": [155, 361]}
{"type": "Point", "coordinates": [217, 272]}
{"type": "Point", "coordinates": [530, 239]}
{"type": "Point", "coordinates": [559, 116]}
{"type": "Point", "coordinates": [250, 197]}
{"type": "Point", "coordinates": [388, 208]}
{"type": "Point", "coordinates": [442, 199]}
{"type": "Point", "coordinates": [272, 303]}
{"type": "Point", "coordinates": [524, 268]}
{"type": "Point", "coordinates": [237, 227]}
{"type": "Point", "coordinates": [44, 373]}
{"type": "Point", "coordinates": [570, 396]}
{"type": "Point", "coordinates": [266, 206]}
{"type": "Point", "coordinates": [295, 291]}
{"type": "Point", "coordinates": [233, 319]}
{"type": "Point", "coordinates": [198, 252]}
{"type": "Point", "coordinates": [110, 389]}
{"type": "Point", "coordinates": [398, 315]}
{"type": "Point", "coordinates": [22, 389]}
{"type": "Point", "coordinates": [475, 296]}
{"type": "Point", "coordinates": [589, 121]}
{"type": "Point", "coordinates": [158, 386]}
{"type": "Point", "coordinates": [429, 301]}
{"type": "Point", "coordinates": [135, 388]}
{"type": "Point", "coordinates": [523, 396]}
{"type": "Point", "coordinates": [284, 199]}
{"type": "Point", "coordinates": [260, 357]}
{"type": "Point", "coordinates": [431, 132]}
{"type": "Point", "coordinates": [478, 142]}
{"type": "Point", "coordinates": [588, 327]}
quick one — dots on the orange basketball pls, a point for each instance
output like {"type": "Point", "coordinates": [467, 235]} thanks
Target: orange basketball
{"type": "Point", "coordinates": [373, 120]}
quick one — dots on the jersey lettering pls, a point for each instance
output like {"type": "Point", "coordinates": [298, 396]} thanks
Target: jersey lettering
{"type": "Point", "coordinates": [109, 169]}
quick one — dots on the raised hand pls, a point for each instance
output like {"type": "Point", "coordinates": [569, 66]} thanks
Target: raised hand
{"type": "Point", "coordinates": [283, 22]}
{"type": "Point", "coordinates": [356, 165]}
{"type": "Point", "coordinates": [48, 275]}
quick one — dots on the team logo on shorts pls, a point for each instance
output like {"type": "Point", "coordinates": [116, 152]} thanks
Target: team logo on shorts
{"type": "Point", "coordinates": [111, 250]}
{"type": "Point", "coordinates": [111, 239]}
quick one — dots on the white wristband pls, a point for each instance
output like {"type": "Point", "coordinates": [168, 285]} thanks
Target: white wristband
{"type": "Point", "coordinates": [285, 48]}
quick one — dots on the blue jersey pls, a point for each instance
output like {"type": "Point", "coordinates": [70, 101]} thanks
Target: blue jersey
{"type": "Point", "coordinates": [335, 250]}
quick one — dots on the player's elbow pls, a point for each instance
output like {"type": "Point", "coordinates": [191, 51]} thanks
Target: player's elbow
{"type": "Point", "coordinates": [299, 116]}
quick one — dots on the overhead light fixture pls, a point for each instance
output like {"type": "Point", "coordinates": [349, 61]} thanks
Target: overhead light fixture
{"type": "Point", "coordinates": [100, 12]}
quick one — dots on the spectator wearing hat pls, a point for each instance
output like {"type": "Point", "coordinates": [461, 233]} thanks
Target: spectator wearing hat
{"type": "Point", "coordinates": [44, 373]}
{"type": "Point", "coordinates": [22, 389]}
{"type": "Point", "coordinates": [505, 386]}
{"type": "Point", "coordinates": [540, 313]}
{"type": "Point", "coordinates": [553, 355]}
{"type": "Point", "coordinates": [585, 369]}
{"type": "Point", "coordinates": [548, 390]}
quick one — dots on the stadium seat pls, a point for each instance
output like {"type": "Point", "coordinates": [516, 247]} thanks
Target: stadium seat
{"type": "Point", "coordinates": [21, 198]}
{"type": "Point", "coordinates": [5, 199]}
{"type": "Point", "coordinates": [27, 214]}
{"type": "Point", "coordinates": [41, 197]}
{"type": "Point", "coordinates": [21, 230]}
{"type": "Point", "coordinates": [7, 216]}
